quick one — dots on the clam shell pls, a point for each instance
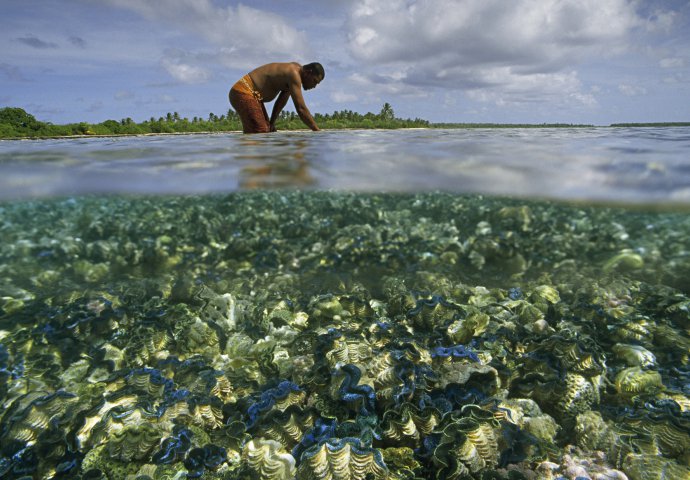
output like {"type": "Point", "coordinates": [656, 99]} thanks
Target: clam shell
{"type": "Point", "coordinates": [638, 331]}
{"type": "Point", "coordinates": [472, 375]}
{"type": "Point", "coordinates": [268, 459]}
{"type": "Point", "coordinates": [429, 313]}
{"type": "Point", "coordinates": [207, 415]}
{"type": "Point", "coordinates": [341, 459]}
{"type": "Point", "coordinates": [407, 425]}
{"type": "Point", "coordinates": [220, 309]}
{"type": "Point", "coordinates": [467, 446]}
{"type": "Point", "coordinates": [133, 442]}
{"type": "Point", "coordinates": [673, 441]}
{"type": "Point", "coordinates": [348, 351]}
{"type": "Point", "coordinates": [674, 340]}
{"type": "Point", "coordinates": [463, 330]}
{"type": "Point", "coordinates": [278, 398]}
{"type": "Point", "coordinates": [292, 398]}
{"type": "Point", "coordinates": [653, 467]}
{"type": "Point", "coordinates": [356, 307]}
{"type": "Point", "coordinates": [198, 337]}
{"type": "Point", "coordinates": [592, 432]}
{"type": "Point", "coordinates": [634, 355]}
{"type": "Point", "coordinates": [149, 382]}
{"type": "Point", "coordinates": [223, 389]}
{"type": "Point", "coordinates": [402, 463]}
{"type": "Point", "coordinates": [146, 346]}
{"type": "Point", "coordinates": [579, 396]}
{"type": "Point", "coordinates": [545, 293]}
{"type": "Point", "coordinates": [636, 381]}
{"type": "Point", "coordinates": [288, 427]}
{"type": "Point", "coordinates": [30, 415]}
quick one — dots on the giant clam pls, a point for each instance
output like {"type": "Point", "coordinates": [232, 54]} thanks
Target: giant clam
{"type": "Point", "coordinates": [340, 336]}
{"type": "Point", "coordinates": [634, 355]}
{"type": "Point", "coordinates": [467, 444]}
{"type": "Point", "coordinates": [636, 381]}
{"type": "Point", "coordinates": [132, 443]}
{"type": "Point", "coordinates": [408, 425]}
{"type": "Point", "coordinates": [268, 459]}
{"type": "Point", "coordinates": [341, 459]}
{"type": "Point", "coordinates": [286, 427]}
{"type": "Point", "coordinates": [652, 467]}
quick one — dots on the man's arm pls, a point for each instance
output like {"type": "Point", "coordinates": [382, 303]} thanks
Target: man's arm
{"type": "Point", "coordinates": [278, 106]}
{"type": "Point", "coordinates": [300, 106]}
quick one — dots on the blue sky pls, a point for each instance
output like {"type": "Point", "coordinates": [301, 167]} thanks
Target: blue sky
{"type": "Point", "coordinates": [573, 61]}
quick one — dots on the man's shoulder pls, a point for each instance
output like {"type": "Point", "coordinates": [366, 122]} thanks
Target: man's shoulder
{"type": "Point", "coordinates": [291, 71]}
{"type": "Point", "coordinates": [281, 66]}
{"type": "Point", "coordinates": [289, 67]}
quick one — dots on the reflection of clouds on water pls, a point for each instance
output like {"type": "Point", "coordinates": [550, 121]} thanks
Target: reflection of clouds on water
{"type": "Point", "coordinates": [640, 165]}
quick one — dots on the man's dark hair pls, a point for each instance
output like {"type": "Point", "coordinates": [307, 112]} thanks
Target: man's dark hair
{"type": "Point", "coordinates": [315, 68]}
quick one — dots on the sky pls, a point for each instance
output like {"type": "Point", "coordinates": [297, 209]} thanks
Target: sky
{"type": "Point", "coordinates": [501, 61]}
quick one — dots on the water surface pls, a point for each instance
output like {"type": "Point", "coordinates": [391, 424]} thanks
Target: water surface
{"type": "Point", "coordinates": [631, 165]}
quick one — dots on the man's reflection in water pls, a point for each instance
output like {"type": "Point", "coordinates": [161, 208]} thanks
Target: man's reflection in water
{"type": "Point", "coordinates": [280, 162]}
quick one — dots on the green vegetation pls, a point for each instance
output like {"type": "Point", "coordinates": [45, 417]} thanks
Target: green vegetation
{"type": "Point", "coordinates": [16, 123]}
{"type": "Point", "coordinates": [653, 124]}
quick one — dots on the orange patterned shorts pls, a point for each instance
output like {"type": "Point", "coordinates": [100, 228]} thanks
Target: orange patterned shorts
{"type": "Point", "coordinates": [248, 104]}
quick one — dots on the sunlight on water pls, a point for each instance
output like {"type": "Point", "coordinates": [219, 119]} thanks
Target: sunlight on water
{"type": "Point", "coordinates": [641, 165]}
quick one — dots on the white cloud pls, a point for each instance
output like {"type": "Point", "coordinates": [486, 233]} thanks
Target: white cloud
{"type": "Point", "coordinates": [244, 31]}
{"type": "Point", "coordinates": [631, 90]}
{"type": "Point", "coordinates": [585, 99]}
{"type": "Point", "coordinates": [661, 20]}
{"type": "Point", "coordinates": [165, 98]}
{"type": "Point", "coordinates": [672, 63]}
{"type": "Point", "coordinates": [185, 73]}
{"type": "Point", "coordinates": [554, 88]}
{"type": "Point", "coordinates": [505, 52]}
{"type": "Point", "coordinates": [342, 97]}
{"type": "Point", "coordinates": [521, 32]}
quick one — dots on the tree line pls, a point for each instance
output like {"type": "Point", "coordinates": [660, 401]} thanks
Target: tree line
{"type": "Point", "coordinates": [652, 124]}
{"type": "Point", "coordinates": [17, 123]}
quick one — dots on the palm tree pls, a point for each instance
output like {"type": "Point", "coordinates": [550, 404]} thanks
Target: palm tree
{"type": "Point", "coordinates": [387, 112]}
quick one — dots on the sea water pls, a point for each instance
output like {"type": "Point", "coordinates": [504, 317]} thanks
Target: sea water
{"type": "Point", "coordinates": [413, 303]}
{"type": "Point", "coordinates": [628, 165]}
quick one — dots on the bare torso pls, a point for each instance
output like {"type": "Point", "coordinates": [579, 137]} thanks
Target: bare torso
{"type": "Point", "coordinates": [282, 81]}
{"type": "Point", "coordinates": [273, 78]}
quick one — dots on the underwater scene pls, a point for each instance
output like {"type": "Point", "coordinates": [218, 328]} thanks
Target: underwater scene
{"type": "Point", "coordinates": [284, 334]}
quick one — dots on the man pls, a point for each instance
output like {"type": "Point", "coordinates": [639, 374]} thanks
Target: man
{"type": "Point", "coordinates": [264, 83]}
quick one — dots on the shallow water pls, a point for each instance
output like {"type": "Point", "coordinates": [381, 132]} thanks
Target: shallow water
{"type": "Point", "coordinates": [415, 334]}
{"type": "Point", "coordinates": [630, 165]}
